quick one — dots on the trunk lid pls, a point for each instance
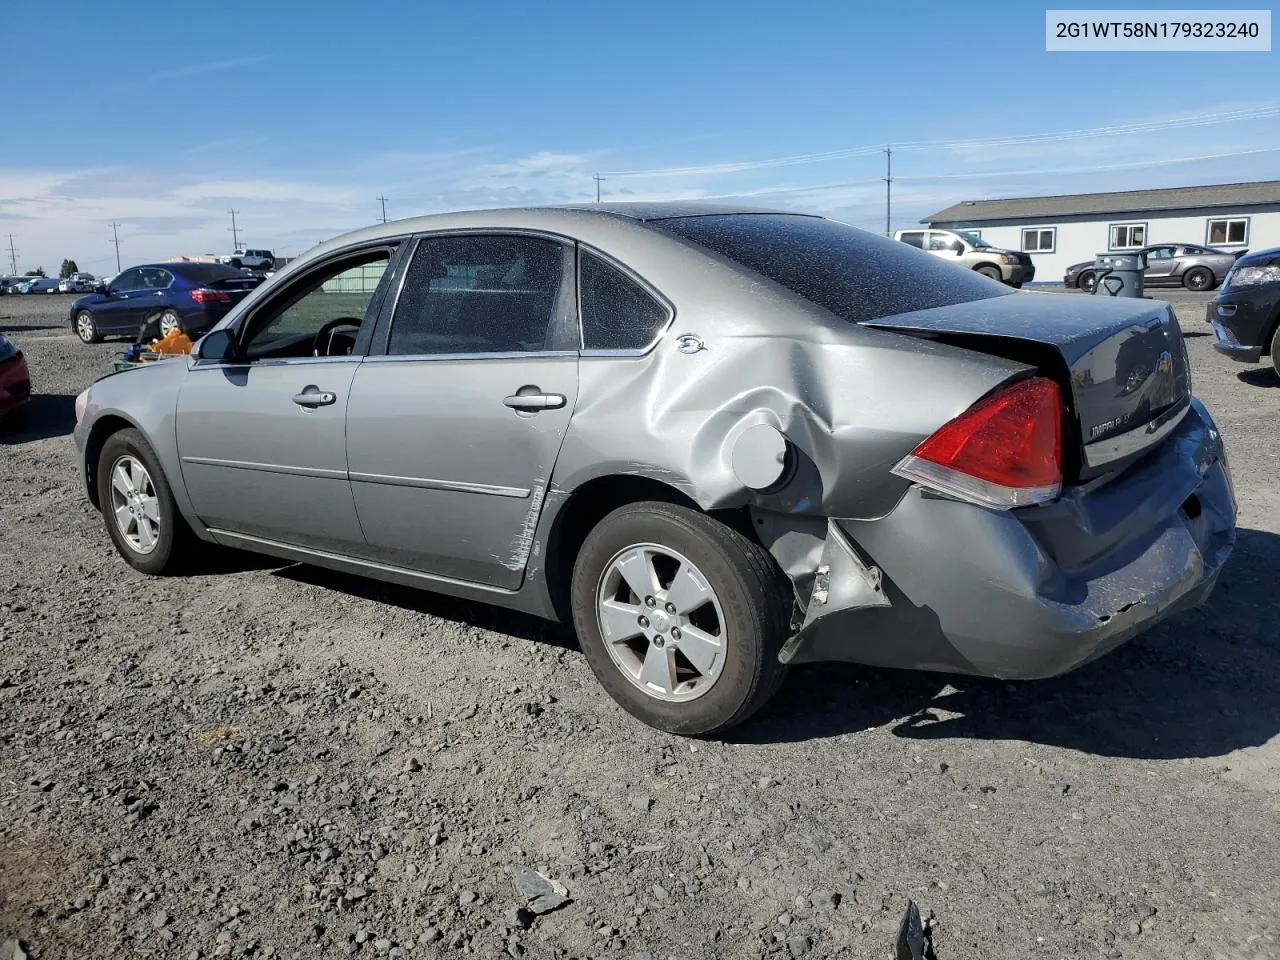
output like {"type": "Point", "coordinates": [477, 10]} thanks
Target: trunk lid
{"type": "Point", "coordinates": [237, 288]}
{"type": "Point", "coordinates": [1121, 363]}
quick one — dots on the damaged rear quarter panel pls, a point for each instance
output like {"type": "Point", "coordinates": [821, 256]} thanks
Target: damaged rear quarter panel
{"type": "Point", "coordinates": [851, 400]}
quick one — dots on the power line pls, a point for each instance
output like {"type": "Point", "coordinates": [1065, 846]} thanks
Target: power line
{"type": "Point", "coordinates": [235, 234]}
{"type": "Point", "coordinates": [1265, 111]}
{"type": "Point", "coordinates": [115, 238]}
{"type": "Point", "coordinates": [597, 178]}
{"type": "Point", "coordinates": [13, 256]}
{"type": "Point", "coordinates": [383, 200]}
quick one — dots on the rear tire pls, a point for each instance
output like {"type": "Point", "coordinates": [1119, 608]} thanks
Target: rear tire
{"type": "Point", "coordinates": [138, 508]}
{"type": "Point", "coordinates": [236, 264]}
{"type": "Point", "coordinates": [1197, 278]}
{"type": "Point", "coordinates": [169, 321]}
{"type": "Point", "coordinates": [87, 328]}
{"type": "Point", "coordinates": [991, 273]}
{"type": "Point", "coordinates": [1087, 281]}
{"type": "Point", "coordinates": [714, 648]}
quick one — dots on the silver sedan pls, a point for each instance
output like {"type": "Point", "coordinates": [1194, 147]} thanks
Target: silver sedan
{"type": "Point", "coordinates": [717, 441]}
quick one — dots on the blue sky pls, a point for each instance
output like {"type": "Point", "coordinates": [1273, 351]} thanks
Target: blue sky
{"type": "Point", "coordinates": [300, 115]}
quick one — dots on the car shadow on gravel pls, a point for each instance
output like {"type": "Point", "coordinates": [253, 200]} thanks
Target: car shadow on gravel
{"type": "Point", "coordinates": [1260, 377]}
{"type": "Point", "coordinates": [47, 415]}
{"type": "Point", "coordinates": [510, 622]}
{"type": "Point", "coordinates": [7, 328]}
{"type": "Point", "coordinates": [1200, 685]}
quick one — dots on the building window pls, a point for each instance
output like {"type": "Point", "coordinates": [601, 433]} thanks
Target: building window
{"type": "Point", "coordinates": [1039, 239]}
{"type": "Point", "coordinates": [1127, 236]}
{"type": "Point", "coordinates": [1228, 231]}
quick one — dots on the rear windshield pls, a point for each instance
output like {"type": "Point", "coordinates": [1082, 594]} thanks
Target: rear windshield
{"type": "Point", "coordinates": [209, 272]}
{"type": "Point", "coordinates": [855, 274]}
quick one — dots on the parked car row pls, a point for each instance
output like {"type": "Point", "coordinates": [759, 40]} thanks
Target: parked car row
{"type": "Point", "coordinates": [1186, 265]}
{"type": "Point", "coordinates": [1012, 514]}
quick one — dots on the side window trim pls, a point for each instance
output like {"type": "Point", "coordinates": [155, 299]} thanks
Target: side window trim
{"type": "Point", "coordinates": [564, 329]}
{"type": "Point", "coordinates": [244, 324]}
{"type": "Point", "coordinates": [660, 298]}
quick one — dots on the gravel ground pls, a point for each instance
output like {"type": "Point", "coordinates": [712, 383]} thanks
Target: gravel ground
{"type": "Point", "coordinates": [279, 761]}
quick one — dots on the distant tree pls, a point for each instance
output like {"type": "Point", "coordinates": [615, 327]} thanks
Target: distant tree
{"type": "Point", "coordinates": [37, 272]}
{"type": "Point", "coordinates": [69, 269]}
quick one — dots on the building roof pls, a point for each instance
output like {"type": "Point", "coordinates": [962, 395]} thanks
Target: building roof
{"type": "Point", "coordinates": [1125, 201]}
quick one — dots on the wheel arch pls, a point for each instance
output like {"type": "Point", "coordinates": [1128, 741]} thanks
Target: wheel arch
{"type": "Point", "coordinates": [987, 263]}
{"type": "Point", "coordinates": [591, 502]}
{"type": "Point", "coordinates": [103, 428]}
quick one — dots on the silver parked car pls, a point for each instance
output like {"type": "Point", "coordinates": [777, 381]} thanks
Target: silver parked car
{"type": "Point", "coordinates": [1168, 265]}
{"type": "Point", "coordinates": [716, 441]}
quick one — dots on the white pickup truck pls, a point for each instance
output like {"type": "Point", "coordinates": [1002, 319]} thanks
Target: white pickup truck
{"type": "Point", "coordinates": [970, 250]}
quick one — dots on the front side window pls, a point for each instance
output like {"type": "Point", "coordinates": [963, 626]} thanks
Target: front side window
{"type": "Point", "coordinates": [1229, 231]}
{"type": "Point", "coordinates": [131, 279]}
{"type": "Point", "coordinates": [1039, 239]}
{"type": "Point", "coordinates": [1128, 236]}
{"type": "Point", "coordinates": [617, 313]}
{"type": "Point", "coordinates": [322, 314]}
{"type": "Point", "coordinates": [944, 242]}
{"type": "Point", "coordinates": [478, 294]}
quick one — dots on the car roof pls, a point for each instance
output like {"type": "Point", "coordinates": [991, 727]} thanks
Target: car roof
{"type": "Point", "coordinates": [553, 218]}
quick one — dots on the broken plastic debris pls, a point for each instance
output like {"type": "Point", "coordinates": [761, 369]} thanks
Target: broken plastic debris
{"type": "Point", "coordinates": [914, 939]}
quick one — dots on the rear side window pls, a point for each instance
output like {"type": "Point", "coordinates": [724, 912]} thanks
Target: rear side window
{"type": "Point", "coordinates": [914, 239]}
{"type": "Point", "coordinates": [617, 313]}
{"type": "Point", "coordinates": [856, 275]}
{"type": "Point", "coordinates": [478, 294]}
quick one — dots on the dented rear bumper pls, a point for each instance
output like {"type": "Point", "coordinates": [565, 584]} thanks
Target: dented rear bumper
{"type": "Point", "coordinates": [1034, 592]}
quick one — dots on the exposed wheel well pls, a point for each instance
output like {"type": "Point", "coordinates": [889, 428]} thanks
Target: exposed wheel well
{"type": "Point", "coordinates": [103, 429]}
{"type": "Point", "coordinates": [590, 504]}
{"type": "Point", "coordinates": [1270, 336]}
{"type": "Point", "coordinates": [987, 263]}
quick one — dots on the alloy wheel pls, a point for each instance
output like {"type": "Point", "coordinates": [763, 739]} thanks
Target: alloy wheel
{"type": "Point", "coordinates": [661, 622]}
{"type": "Point", "coordinates": [134, 504]}
{"type": "Point", "coordinates": [84, 326]}
{"type": "Point", "coordinates": [169, 322]}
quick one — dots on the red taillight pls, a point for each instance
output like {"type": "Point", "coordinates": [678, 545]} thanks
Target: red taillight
{"type": "Point", "coordinates": [205, 295]}
{"type": "Point", "coordinates": [1004, 451]}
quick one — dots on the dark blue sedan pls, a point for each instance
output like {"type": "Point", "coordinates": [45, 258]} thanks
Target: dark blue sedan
{"type": "Point", "coordinates": [161, 297]}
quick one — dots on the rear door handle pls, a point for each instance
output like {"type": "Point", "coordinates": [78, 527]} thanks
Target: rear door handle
{"type": "Point", "coordinates": [311, 397]}
{"type": "Point", "coordinates": [535, 401]}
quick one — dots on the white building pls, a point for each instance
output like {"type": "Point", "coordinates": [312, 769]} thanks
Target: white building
{"type": "Point", "coordinates": [1060, 231]}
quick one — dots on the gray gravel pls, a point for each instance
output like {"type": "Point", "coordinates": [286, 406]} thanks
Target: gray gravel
{"type": "Point", "coordinates": [276, 761]}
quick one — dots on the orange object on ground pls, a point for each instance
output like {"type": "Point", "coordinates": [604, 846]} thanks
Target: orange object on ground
{"type": "Point", "coordinates": [175, 341]}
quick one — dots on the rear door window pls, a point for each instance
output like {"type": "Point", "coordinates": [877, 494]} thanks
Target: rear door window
{"type": "Point", "coordinates": [915, 239]}
{"type": "Point", "coordinates": [479, 294]}
{"type": "Point", "coordinates": [617, 313]}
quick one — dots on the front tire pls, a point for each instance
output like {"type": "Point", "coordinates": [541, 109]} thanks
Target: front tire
{"type": "Point", "coordinates": [1087, 281]}
{"type": "Point", "coordinates": [1197, 278]}
{"type": "Point", "coordinates": [681, 617]}
{"type": "Point", "coordinates": [1275, 350]}
{"type": "Point", "coordinates": [138, 507]}
{"type": "Point", "coordinates": [991, 273]}
{"type": "Point", "coordinates": [87, 328]}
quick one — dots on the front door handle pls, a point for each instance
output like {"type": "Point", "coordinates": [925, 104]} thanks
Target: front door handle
{"type": "Point", "coordinates": [534, 401]}
{"type": "Point", "coordinates": [312, 397]}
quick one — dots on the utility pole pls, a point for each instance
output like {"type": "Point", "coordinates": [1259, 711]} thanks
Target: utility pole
{"type": "Point", "coordinates": [115, 238]}
{"type": "Point", "coordinates": [888, 187]}
{"type": "Point", "coordinates": [384, 208]}
{"type": "Point", "coordinates": [597, 178]}
{"type": "Point", "coordinates": [13, 256]}
{"type": "Point", "coordinates": [235, 234]}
